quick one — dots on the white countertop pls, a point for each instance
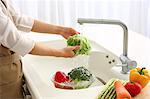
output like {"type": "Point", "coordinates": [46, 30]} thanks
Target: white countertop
{"type": "Point", "coordinates": [111, 38]}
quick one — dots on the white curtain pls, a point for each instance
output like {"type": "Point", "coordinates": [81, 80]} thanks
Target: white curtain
{"type": "Point", "coordinates": [134, 13]}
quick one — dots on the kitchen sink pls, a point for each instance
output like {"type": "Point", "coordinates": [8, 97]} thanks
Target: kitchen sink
{"type": "Point", "coordinates": [39, 71]}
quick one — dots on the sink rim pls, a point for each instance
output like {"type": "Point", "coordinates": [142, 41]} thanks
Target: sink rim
{"type": "Point", "coordinates": [28, 72]}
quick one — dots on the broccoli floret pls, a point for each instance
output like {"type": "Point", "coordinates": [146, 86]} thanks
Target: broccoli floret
{"type": "Point", "coordinates": [80, 74]}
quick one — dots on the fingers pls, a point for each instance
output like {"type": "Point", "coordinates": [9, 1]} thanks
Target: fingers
{"type": "Point", "coordinates": [68, 51]}
{"type": "Point", "coordinates": [74, 47]}
{"type": "Point", "coordinates": [73, 31]}
{"type": "Point", "coordinates": [78, 32]}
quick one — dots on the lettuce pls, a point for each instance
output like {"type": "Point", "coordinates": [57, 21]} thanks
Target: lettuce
{"type": "Point", "coordinates": [82, 41]}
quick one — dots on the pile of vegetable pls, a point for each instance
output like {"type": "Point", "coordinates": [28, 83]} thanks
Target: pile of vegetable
{"type": "Point", "coordinates": [82, 42]}
{"type": "Point", "coordinates": [81, 77]}
{"type": "Point", "coordinates": [77, 78]}
{"type": "Point", "coordinates": [140, 75]}
{"type": "Point", "coordinates": [109, 91]}
{"type": "Point", "coordinates": [121, 92]}
{"type": "Point", "coordinates": [119, 89]}
{"type": "Point", "coordinates": [80, 74]}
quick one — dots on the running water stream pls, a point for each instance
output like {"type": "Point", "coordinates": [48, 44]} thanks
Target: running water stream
{"type": "Point", "coordinates": [81, 60]}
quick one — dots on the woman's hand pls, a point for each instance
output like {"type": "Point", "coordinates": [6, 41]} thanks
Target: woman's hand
{"type": "Point", "coordinates": [67, 31]}
{"type": "Point", "coordinates": [42, 27]}
{"type": "Point", "coordinates": [40, 49]}
{"type": "Point", "coordinates": [67, 52]}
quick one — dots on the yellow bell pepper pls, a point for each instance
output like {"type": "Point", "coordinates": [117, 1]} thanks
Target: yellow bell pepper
{"type": "Point", "coordinates": [140, 75]}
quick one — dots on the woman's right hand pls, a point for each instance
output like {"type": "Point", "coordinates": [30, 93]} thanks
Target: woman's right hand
{"type": "Point", "coordinates": [67, 52]}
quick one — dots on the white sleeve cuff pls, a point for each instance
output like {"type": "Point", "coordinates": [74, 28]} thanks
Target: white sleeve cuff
{"type": "Point", "coordinates": [23, 46]}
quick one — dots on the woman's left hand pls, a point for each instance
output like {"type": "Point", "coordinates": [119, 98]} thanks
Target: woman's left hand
{"type": "Point", "coordinates": [67, 31]}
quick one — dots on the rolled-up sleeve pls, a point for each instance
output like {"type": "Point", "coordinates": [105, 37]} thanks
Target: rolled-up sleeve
{"type": "Point", "coordinates": [12, 39]}
{"type": "Point", "coordinates": [22, 22]}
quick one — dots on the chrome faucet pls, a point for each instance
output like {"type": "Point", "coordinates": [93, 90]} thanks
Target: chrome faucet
{"type": "Point", "coordinates": [127, 64]}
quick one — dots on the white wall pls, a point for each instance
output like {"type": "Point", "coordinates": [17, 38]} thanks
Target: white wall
{"type": "Point", "coordinates": [134, 13]}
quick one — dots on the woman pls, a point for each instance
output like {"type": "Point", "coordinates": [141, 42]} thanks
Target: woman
{"type": "Point", "coordinates": [13, 44]}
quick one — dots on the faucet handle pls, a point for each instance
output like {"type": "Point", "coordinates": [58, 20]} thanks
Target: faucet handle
{"type": "Point", "coordinates": [128, 64]}
{"type": "Point", "coordinates": [132, 64]}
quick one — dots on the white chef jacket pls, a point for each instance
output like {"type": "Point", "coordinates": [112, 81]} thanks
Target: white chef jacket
{"type": "Point", "coordinates": [10, 24]}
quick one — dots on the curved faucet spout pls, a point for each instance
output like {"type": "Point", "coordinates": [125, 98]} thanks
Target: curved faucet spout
{"type": "Point", "coordinates": [114, 22]}
{"type": "Point", "coordinates": [126, 62]}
